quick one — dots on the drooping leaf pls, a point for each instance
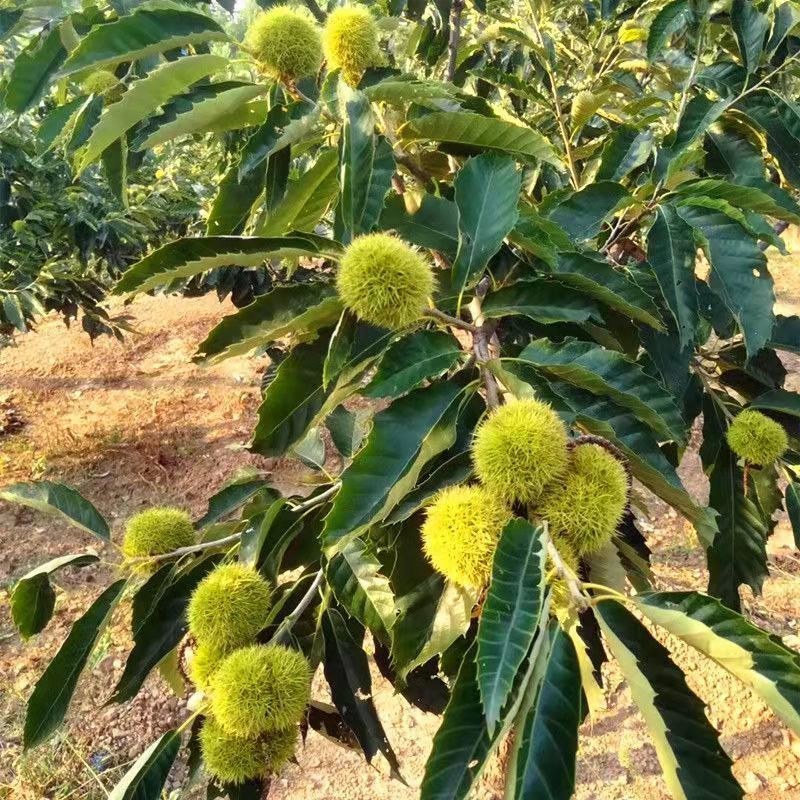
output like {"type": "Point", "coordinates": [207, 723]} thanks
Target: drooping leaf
{"type": "Point", "coordinates": [146, 778]}
{"type": "Point", "coordinates": [51, 696]}
{"type": "Point", "coordinates": [793, 510]}
{"type": "Point", "coordinates": [462, 743]}
{"type": "Point", "coordinates": [670, 19]}
{"type": "Point", "coordinates": [626, 150]}
{"type": "Point", "coordinates": [58, 120]}
{"type": "Point", "coordinates": [486, 133]}
{"type": "Point", "coordinates": [152, 28]}
{"type": "Point", "coordinates": [738, 554]}
{"type": "Point", "coordinates": [781, 122]}
{"type": "Point", "coordinates": [142, 98]}
{"type": "Point", "coordinates": [583, 213]}
{"type": "Point", "coordinates": [750, 27]}
{"type": "Point", "coordinates": [671, 254]}
{"type": "Point", "coordinates": [354, 575]}
{"type": "Point", "coordinates": [541, 300]}
{"type": "Point", "coordinates": [235, 200]}
{"type": "Point", "coordinates": [749, 193]}
{"type": "Point", "coordinates": [347, 673]}
{"type": "Point", "coordinates": [607, 372]}
{"type": "Point", "coordinates": [186, 257]}
{"type": "Point", "coordinates": [299, 309]}
{"type": "Point", "coordinates": [421, 356]}
{"type": "Point", "coordinates": [33, 598]}
{"type": "Point", "coordinates": [693, 763]}
{"type": "Point", "coordinates": [33, 68]}
{"type": "Point", "coordinates": [232, 496]}
{"type": "Point", "coordinates": [115, 165]}
{"type": "Point", "coordinates": [486, 195]}
{"type": "Point", "coordinates": [434, 224]}
{"type": "Point", "coordinates": [511, 613]}
{"type": "Point", "coordinates": [781, 400]}
{"type": "Point", "coordinates": [757, 658]}
{"type": "Point", "coordinates": [545, 759]}
{"type": "Point", "coordinates": [739, 272]}
{"type": "Point", "coordinates": [403, 438]}
{"type": "Point", "coordinates": [60, 500]}
{"type": "Point", "coordinates": [366, 166]}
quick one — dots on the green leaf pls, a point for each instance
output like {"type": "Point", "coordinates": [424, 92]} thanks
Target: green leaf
{"type": "Point", "coordinates": [750, 193]}
{"type": "Point", "coordinates": [61, 500]}
{"type": "Point", "coordinates": [306, 200]}
{"type": "Point", "coordinates": [583, 213]}
{"type": "Point", "coordinates": [626, 150]}
{"type": "Point", "coordinates": [545, 760]}
{"type": "Point", "coordinates": [597, 278]}
{"type": "Point", "coordinates": [738, 272]}
{"type": "Point", "coordinates": [671, 254]}
{"type": "Point", "coordinates": [486, 193]}
{"type": "Point", "coordinates": [142, 98]}
{"type": "Point", "coordinates": [693, 763]}
{"type": "Point", "coordinates": [33, 598]}
{"type": "Point", "coordinates": [672, 18]}
{"type": "Point", "coordinates": [750, 27]}
{"type": "Point", "coordinates": [434, 224]}
{"type": "Point", "coordinates": [292, 402]}
{"type": "Point", "coordinates": [354, 575]}
{"type": "Point", "coordinates": [232, 496]}
{"type": "Point", "coordinates": [366, 169]}
{"type": "Point", "coordinates": [152, 28]}
{"type": "Point", "coordinates": [399, 91]}
{"type": "Point", "coordinates": [738, 554]}
{"type": "Point", "coordinates": [545, 301]}
{"type": "Point", "coordinates": [462, 743]}
{"type": "Point", "coordinates": [195, 111]}
{"type": "Point", "coordinates": [421, 356]}
{"type": "Point", "coordinates": [186, 257]}
{"type": "Point", "coordinates": [158, 624]}
{"type": "Point", "coordinates": [234, 201]}
{"type": "Point", "coordinates": [793, 510]}
{"type": "Point", "coordinates": [300, 309]}
{"type": "Point", "coordinates": [487, 133]}
{"type": "Point", "coordinates": [284, 125]}
{"type": "Point", "coordinates": [585, 105]}
{"type": "Point", "coordinates": [115, 166]}
{"type": "Point", "coordinates": [51, 696]}
{"type": "Point", "coordinates": [781, 400]}
{"type": "Point", "coordinates": [33, 68]}
{"type": "Point", "coordinates": [786, 334]}
{"type": "Point", "coordinates": [148, 775]}
{"type": "Point", "coordinates": [607, 372]}
{"type": "Point", "coordinates": [347, 672]}
{"type": "Point", "coordinates": [403, 438]}
{"type": "Point", "coordinates": [352, 346]}
{"type": "Point", "coordinates": [58, 120]}
{"type": "Point", "coordinates": [347, 429]}
{"type": "Point", "coordinates": [511, 613]}
{"type": "Point", "coordinates": [780, 119]}
{"type": "Point", "coordinates": [757, 658]}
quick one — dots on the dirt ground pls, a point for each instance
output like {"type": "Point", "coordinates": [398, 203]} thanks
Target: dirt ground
{"type": "Point", "coordinates": [134, 424]}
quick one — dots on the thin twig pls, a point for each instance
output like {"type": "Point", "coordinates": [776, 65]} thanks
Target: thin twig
{"type": "Point", "coordinates": [455, 36]}
{"type": "Point", "coordinates": [305, 601]}
{"type": "Point", "coordinates": [454, 322]}
{"type": "Point", "coordinates": [192, 548]}
{"type": "Point", "coordinates": [318, 13]}
{"type": "Point", "coordinates": [318, 499]}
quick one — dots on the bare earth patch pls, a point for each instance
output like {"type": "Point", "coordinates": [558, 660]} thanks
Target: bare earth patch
{"type": "Point", "coordinates": [136, 423]}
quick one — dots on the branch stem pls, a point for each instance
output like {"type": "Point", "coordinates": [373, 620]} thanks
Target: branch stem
{"type": "Point", "coordinates": [304, 603]}
{"type": "Point", "coordinates": [455, 322]}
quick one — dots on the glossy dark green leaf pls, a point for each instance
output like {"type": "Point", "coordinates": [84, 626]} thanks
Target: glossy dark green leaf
{"type": "Point", "coordinates": [235, 200]}
{"type": "Point", "coordinates": [352, 347]}
{"type": "Point", "coordinates": [670, 19]}
{"type": "Point", "coordinates": [33, 68]}
{"type": "Point", "coordinates": [792, 499]}
{"type": "Point", "coordinates": [738, 554]}
{"type": "Point", "coordinates": [152, 28]}
{"type": "Point", "coordinates": [671, 253]}
{"type": "Point", "coordinates": [541, 300]}
{"type": "Point", "coordinates": [33, 598]}
{"type": "Point", "coordinates": [757, 658]}
{"type": "Point", "coordinates": [186, 257]}
{"type": "Point", "coordinates": [300, 309]}
{"type": "Point", "coordinates": [597, 278]}
{"type": "Point", "coordinates": [434, 224]}
{"type": "Point", "coordinates": [51, 696]}
{"type": "Point", "coordinates": [413, 359]}
{"type": "Point", "coordinates": [739, 272]}
{"type": "Point", "coordinates": [232, 496]}
{"type": "Point", "coordinates": [750, 27]}
{"type": "Point", "coordinates": [354, 575]}
{"type": "Point", "coordinates": [115, 165]}
{"type": "Point", "coordinates": [545, 761]}
{"type": "Point", "coordinates": [486, 194]}
{"type": "Point", "coordinates": [511, 613]}
{"type": "Point", "coordinates": [60, 500]}
{"type": "Point", "coordinates": [145, 780]}
{"type": "Point", "coordinates": [693, 762]}
{"type": "Point", "coordinates": [786, 334]}
{"type": "Point", "coordinates": [347, 429]}
{"type": "Point", "coordinates": [347, 672]}
{"type": "Point", "coordinates": [626, 150]}
{"type": "Point", "coordinates": [366, 168]}
{"type": "Point", "coordinates": [402, 440]}
{"type": "Point", "coordinates": [159, 626]}
{"type": "Point", "coordinates": [781, 122]}
{"type": "Point", "coordinates": [583, 213]}
{"type": "Point", "coordinates": [58, 120]}
{"type": "Point", "coordinates": [292, 401]}
{"type": "Point", "coordinates": [607, 372]}
{"type": "Point", "coordinates": [462, 743]}
{"type": "Point", "coordinates": [781, 400]}
{"type": "Point", "coordinates": [749, 193]}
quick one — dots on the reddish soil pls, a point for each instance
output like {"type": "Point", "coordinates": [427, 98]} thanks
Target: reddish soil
{"type": "Point", "coordinates": [136, 423]}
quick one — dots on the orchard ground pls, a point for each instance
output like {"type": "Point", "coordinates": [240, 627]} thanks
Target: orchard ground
{"type": "Point", "coordinates": [135, 424]}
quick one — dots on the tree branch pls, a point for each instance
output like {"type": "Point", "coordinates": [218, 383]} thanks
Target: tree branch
{"type": "Point", "coordinates": [455, 322]}
{"type": "Point", "coordinates": [304, 603]}
{"type": "Point", "coordinates": [480, 342]}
